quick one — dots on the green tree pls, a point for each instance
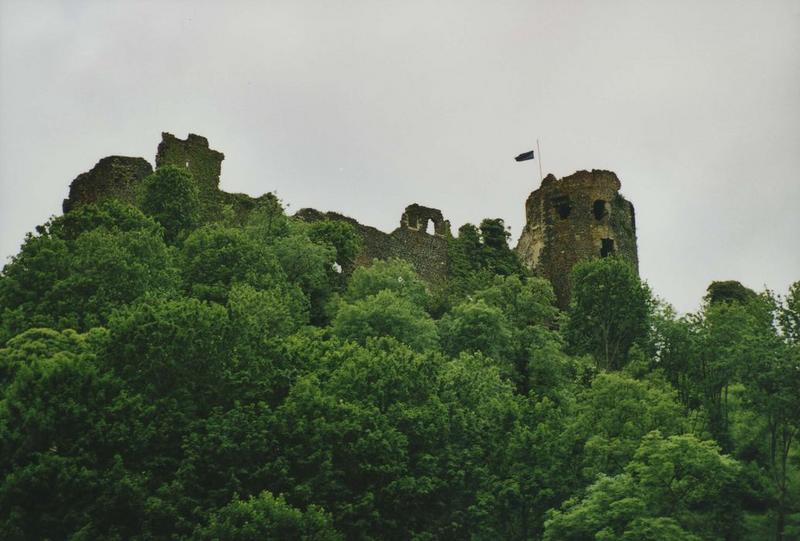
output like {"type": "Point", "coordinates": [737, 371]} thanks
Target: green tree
{"type": "Point", "coordinates": [615, 413]}
{"type": "Point", "coordinates": [674, 342]}
{"type": "Point", "coordinates": [397, 444]}
{"type": "Point", "coordinates": [724, 331]}
{"type": "Point", "coordinates": [342, 236]}
{"type": "Point", "coordinates": [393, 275]}
{"type": "Point", "coordinates": [536, 359]}
{"type": "Point", "coordinates": [771, 372]}
{"type": "Point", "coordinates": [536, 470]}
{"type": "Point", "coordinates": [267, 313]}
{"type": "Point", "coordinates": [267, 517]}
{"type": "Point", "coordinates": [214, 257]}
{"type": "Point", "coordinates": [72, 276]}
{"type": "Point", "coordinates": [678, 487]}
{"type": "Point", "coordinates": [170, 195]}
{"type": "Point", "coordinates": [609, 312]}
{"type": "Point", "coordinates": [525, 303]}
{"type": "Point", "coordinates": [112, 215]}
{"type": "Point", "coordinates": [789, 314]}
{"type": "Point", "coordinates": [42, 343]}
{"type": "Point", "coordinates": [476, 257]}
{"type": "Point", "coordinates": [63, 443]}
{"type": "Point", "coordinates": [477, 327]}
{"type": "Point", "coordinates": [496, 254]}
{"type": "Point", "coordinates": [728, 291]}
{"type": "Point", "coordinates": [268, 222]}
{"type": "Point", "coordinates": [229, 453]}
{"type": "Point", "coordinates": [267, 329]}
{"type": "Point", "coordinates": [308, 265]}
{"type": "Point", "coordinates": [172, 349]}
{"type": "Point", "coordinates": [386, 314]}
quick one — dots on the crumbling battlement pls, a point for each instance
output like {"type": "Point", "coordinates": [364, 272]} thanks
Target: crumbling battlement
{"type": "Point", "coordinates": [193, 153]}
{"type": "Point", "coordinates": [580, 216]}
{"type": "Point", "coordinates": [118, 177]}
{"type": "Point", "coordinates": [112, 177]}
{"type": "Point", "coordinates": [427, 253]}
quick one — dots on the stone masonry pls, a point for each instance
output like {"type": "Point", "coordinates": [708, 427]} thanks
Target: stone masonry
{"type": "Point", "coordinates": [410, 242]}
{"type": "Point", "coordinates": [581, 216]}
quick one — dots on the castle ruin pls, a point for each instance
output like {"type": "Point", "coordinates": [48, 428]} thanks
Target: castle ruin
{"type": "Point", "coordinates": [120, 176]}
{"type": "Point", "coordinates": [410, 242]}
{"type": "Point", "coordinates": [573, 218]}
{"type": "Point", "coordinates": [581, 216]}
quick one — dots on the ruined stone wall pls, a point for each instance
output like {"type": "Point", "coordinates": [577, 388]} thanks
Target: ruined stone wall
{"type": "Point", "coordinates": [427, 253]}
{"type": "Point", "coordinates": [119, 176]}
{"type": "Point", "coordinates": [113, 177]}
{"type": "Point", "coordinates": [581, 216]}
{"type": "Point", "coordinates": [416, 218]}
{"type": "Point", "coordinates": [204, 163]}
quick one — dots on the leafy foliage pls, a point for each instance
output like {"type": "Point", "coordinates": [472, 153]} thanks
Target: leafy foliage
{"type": "Point", "coordinates": [609, 312]}
{"type": "Point", "coordinates": [674, 488]}
{"type": "Point", "coordinates": [267, 517]}
{"type": "Point", "coordinates": [385, 314]}
{"type": "Point", "coordinates": [231, 383]}
{"type": "Point", "coordinates": [81, 267]}
{"type": "Point", "coordinates": [172, 198]}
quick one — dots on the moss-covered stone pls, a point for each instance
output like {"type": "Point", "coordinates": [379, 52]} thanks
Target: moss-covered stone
{"type": "Point", "coordinates": [729, 291]}
{"type": "Point", "coordinates": [112, 177]}
{"type": "Point", "coordinates": [204, 163]}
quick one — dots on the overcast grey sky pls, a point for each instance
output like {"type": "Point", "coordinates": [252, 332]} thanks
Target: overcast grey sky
{"type": "Point", "coordinates": [365, 107]}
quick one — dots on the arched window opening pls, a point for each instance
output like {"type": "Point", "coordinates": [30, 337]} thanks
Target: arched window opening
{"type": "Point", "coordinates": [599, 209]}
{"type": "Point", "coordinates": [429, 227]}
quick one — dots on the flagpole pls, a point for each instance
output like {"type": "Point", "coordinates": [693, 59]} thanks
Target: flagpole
{"type": "Point", "coordinates": [539, 152]}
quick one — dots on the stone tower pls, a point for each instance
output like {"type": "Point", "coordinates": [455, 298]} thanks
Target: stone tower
{"type": "Point", "coordinates": [577, 217]}
{"type": "Point", "coordinates": [204, 163]}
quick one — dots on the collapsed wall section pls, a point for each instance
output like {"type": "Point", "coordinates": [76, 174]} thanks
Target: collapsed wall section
{"type": "Point", "coordinates": [428, 254]}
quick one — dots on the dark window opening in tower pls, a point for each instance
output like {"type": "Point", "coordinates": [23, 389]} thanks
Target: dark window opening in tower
{"type": "Point", "coordinates": [607, 248]}
{"type": "Point", "coordinates": [562, 206]}
{"type": "Point", "coordinates": [599, 209]}
{"type": "Point", "coordinates": [633, 217]}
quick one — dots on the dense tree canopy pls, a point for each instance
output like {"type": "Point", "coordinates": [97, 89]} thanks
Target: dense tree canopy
{"type": "Point", "coordinates": [172, 198]}
{"type": "Point", "coordinates": [163, 376]}
{"type": "Point", "coordinates": [610, 310]}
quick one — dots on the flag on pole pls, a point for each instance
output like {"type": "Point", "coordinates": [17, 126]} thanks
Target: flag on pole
{"type": "Point", "coordinates": [525, 156]}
